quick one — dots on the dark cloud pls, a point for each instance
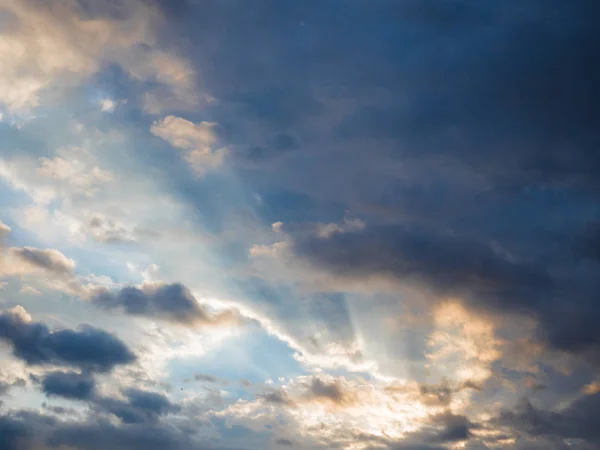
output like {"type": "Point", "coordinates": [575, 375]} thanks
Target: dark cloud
{"type": "Point", "coordinates": [277, 397]}
{"type": "Point", "coordinates": [14, 435]}
{"type": "Point", "coordinates": [71, 385]}
{"type": "Point", "coordinates": [140, 407]}
{"type": "Point", "coordinates": [173, 302]}
{"type": "Point", "coordinates": [332, 391]}
{"type": "Point", "coordinates": [476, 120]}
{"type": "Point", "coordinates": [47, 259]}
{"type": "Point", "coordinates": [276, 146]}
{"type": "Point", "coordinates": [577, 421]}
{"type": "Point", "coordinates": [88, 348]}
{"type": "Point", "coordinates": [455, 428]}
{"type": "Point", "coordinates": [588, 241]}
{"type": "Point", "coordinates": [101, 435]}
{"type": "Point", "coordinates": [437, 395]}
{"type": "Point", "coordinates": [151, 402]}
{"type": "Point", "coordinates": [284, 442]}
{"type": "Point", "coordinates": [446, 263]}
{"type": "Point", "coordinates": [483, 274]}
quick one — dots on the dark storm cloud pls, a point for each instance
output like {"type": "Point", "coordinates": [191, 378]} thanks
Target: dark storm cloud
{"type": "Point", "coordinates": [447, 263]}
{"type": "Point", "coordinates": [173, 302]}
{"type": "Point", "coordinates": [88, 348]}
{"type": "Point", "coordinates": [485, 275]}
{"type": "Point", "coordinates": [69, 385]}
{"type": "Point", "coordinates": [478, 121]}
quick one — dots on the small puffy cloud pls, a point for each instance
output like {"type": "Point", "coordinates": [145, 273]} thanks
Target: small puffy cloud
{"type": "Point", "coordinates": [70, 385]}
{"type": "Point", "coordinates": [197, 140]}
{"type": "Point", "coordinates": [87, 348]}
{"type": "Point", "coordinates": [186, 135]}
{"type": "Point", "coordinates": [172, 302]}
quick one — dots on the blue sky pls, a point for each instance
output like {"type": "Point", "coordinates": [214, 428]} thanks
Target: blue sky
{"type": "Point", "coordinates": [299, 224]}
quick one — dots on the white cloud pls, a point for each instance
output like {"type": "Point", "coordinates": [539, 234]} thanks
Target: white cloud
{"type": "Point", "coordinates": [49, 45]}
{"type": "Point", "coordinates": [107, 105]}
{"type": "Point", "coordinates": [197, 140]}
{"type": "Point", "coordinates": [29, 290]}
{"type": "Point", "coordinates": [72, 173]}
{"type": "Point", "coordinates": [4, 230]}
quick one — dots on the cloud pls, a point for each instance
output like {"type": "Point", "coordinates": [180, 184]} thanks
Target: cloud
{"type": "Point", "coordinates": [13, 434]}
{"type": "Point", "coordinates": [332, 391]}
{"type": "Point", "coordinates": [71, 385]}
{"type": "Point", "coordinates": [141, 406]}
{"type": "Point", "coordinates": [196, 140]}
{"type": "Point", "coordinates": [172, 302]}
{"type": "Point", "coordinates": [451, 265]}
{"type": "Point", "coordinates": [59, 44]}
{"type": "Point", "coordinates": [102, 434]}
{"type": "Point", "coordinates": [88, 348]}
{"type": "Point", "coordinates": [277, 397]}
{"type": "Point", "coordinates": [50, 260]}
{"type": "Point", "coordinates": [576, 421]}
{"type": "Point", "coordinates": [455, 428]}
{"type": "Point", "coordinates": [4, 230]}
{"type": "Point", "coordinates": [71, 174]}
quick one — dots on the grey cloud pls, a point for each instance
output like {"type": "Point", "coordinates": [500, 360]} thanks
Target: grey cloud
{"type": "Point", "coordinates": [588, 241]}
{"type": "Point", "coordinates": [151, 402]}
{"type": "Point", "coordinates": [6, 386]}
{"type": "Point", "coordinates": [439, 395]}
{"type": "Point", "coordinates": [88, 348]}
{"type": "Point", "coordinates": [46, 259]}
{"type": "Point", "coordinates": [447, 263]}
{"type": "Point", "coordinates": [71, 385]}
{"type": "Point", "coordinates": [333, 391]}
{"type": "Point", "coordinates": [451, 264]}
{"type": "Point", "coordinates": [102, 435]}
{"type": "Point", "coordinates": [14, 435]}
{"type": "Point", "coordinates": [577, 421]}
{"type": "Point", "coordinates": [210, 379]}
{"type": "Point", "coordinates": [277, 397]}
{"type": "Point", "coordinates": [106, 230]}
{"type": "Point", "coordinates": [455, 428]}
{"type": "Point", "coordinates": [207, 378]}
{"type": "Point", "coordinates": [173, 302]}
{"type": "Point", "coordinates": [29, 430]}
{"type": "Point", "coordinates": [276, 146]}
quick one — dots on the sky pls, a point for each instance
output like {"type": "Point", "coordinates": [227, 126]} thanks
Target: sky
{"type": "Point", "coordinates": [311, 225]}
